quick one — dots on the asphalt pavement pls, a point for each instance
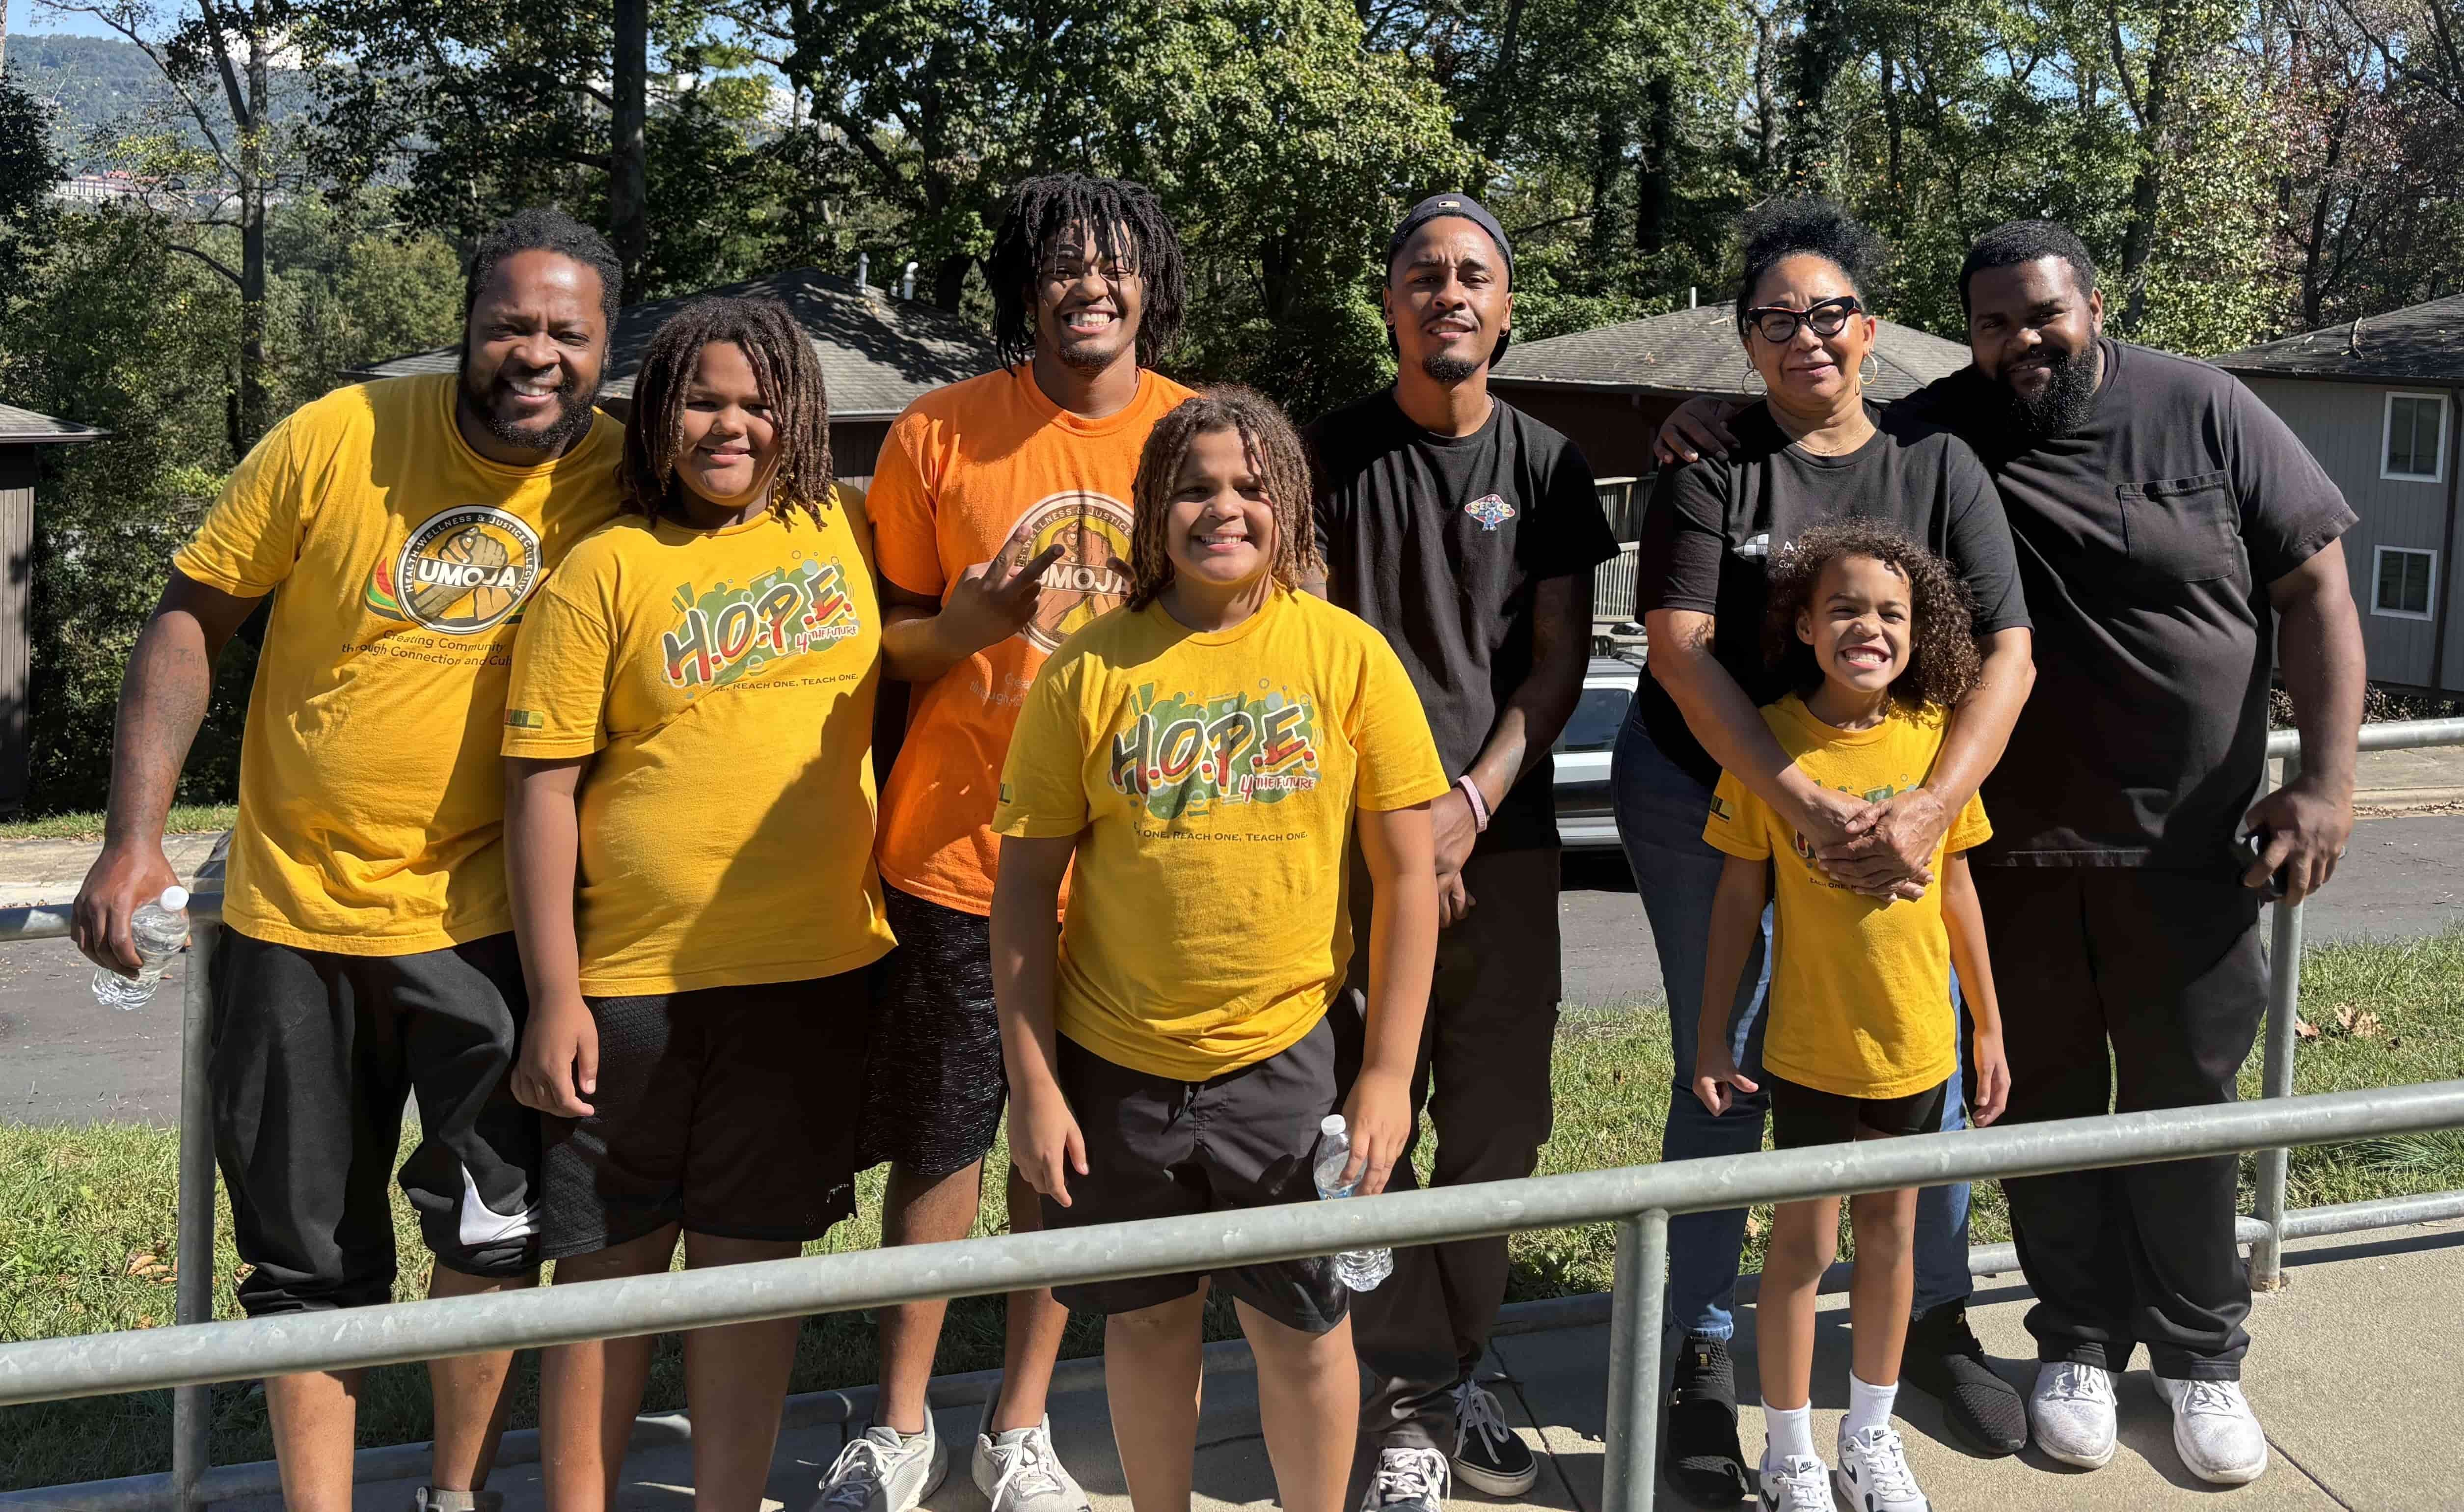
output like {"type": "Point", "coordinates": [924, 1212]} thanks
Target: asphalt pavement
{"type": "Point", "coordinates": [66, 1058]}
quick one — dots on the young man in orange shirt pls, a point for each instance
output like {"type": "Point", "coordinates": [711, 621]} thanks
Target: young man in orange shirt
{"type": "Point", "coordinates": [1001, 521]}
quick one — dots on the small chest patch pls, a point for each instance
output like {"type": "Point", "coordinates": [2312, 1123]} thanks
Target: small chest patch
{"type": "Point", "coordinates": [1490, 510]}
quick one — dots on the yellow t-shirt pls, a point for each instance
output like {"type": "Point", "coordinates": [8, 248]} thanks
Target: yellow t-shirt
{"type": "Point", "coordinates": [991, 471]}
{"type": "Point", "coordinates": [371, 801]}
{"type": "Point", "coordinates": [1211, 780]}
{"type": "Point", "coordinates": [725, 681]}
{"type": "Point", "coordinates": [1860, 990]}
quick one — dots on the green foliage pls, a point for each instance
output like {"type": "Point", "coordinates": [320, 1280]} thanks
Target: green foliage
{"type": "Point", "coordinates": [114, 328]}
{"type": "Point", "coordinates": [30, 166]}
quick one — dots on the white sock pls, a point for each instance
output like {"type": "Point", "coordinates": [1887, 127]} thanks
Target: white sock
{"type": "Point", "coordinates": [1868, 1407]}
{"type": "Point", "coordinates": [1792, 1432]}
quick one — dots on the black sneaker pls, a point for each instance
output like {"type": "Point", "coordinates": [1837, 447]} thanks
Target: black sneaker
{"type": "Point", "coordinates": [1705, 1463]}
{"type": "Point", "coordinates": [1944, 1361]}
{"type": "Point", "coordinates": [1488, 1455]}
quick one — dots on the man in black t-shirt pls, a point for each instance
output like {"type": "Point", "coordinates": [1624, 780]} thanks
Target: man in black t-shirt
{"type": "Point", "coordinates": [1466, 533]}
{"type": "Point", "coordinates": [2171, 534]}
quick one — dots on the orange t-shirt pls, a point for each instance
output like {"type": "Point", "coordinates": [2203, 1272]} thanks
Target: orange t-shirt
{"type": "Point", "coordinates": [982, 470]}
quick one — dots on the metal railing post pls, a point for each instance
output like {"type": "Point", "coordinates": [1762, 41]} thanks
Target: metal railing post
{"type": "Point", "coordinates": [1630, 1474]}
{"type": "Point", "coordinates": [192, 1406]}
{"type": "Point", "coordinates": [2276, 1073]}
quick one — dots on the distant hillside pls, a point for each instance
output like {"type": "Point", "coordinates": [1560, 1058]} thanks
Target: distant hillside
{"type": "Point", "coordinates": [95, 81]}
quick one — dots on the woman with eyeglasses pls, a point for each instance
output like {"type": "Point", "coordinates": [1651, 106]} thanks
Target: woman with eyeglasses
{"type": "Point", "coordinates": [1812, 448]}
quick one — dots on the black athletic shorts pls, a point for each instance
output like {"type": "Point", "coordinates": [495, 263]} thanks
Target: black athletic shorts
{"type": "Point", "coordinates": [1801, 1116]}
{"type": "Point", "coordinates": [1157, 1149]}
{"type": "Point", "coordinates": [729, 1111]}
{"type": "Point", "coordinates": [934, 1092]}
{"type": "Point", "coordinates": [312, 1056]}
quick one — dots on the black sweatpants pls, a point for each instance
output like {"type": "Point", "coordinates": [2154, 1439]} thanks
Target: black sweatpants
{"type": "Point", "coordinates": [1484, 1077]}
{"type": "Point", "coordinates": [2124, 989]}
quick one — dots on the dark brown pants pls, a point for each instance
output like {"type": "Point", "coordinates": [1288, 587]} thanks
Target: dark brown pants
{"type": "Point", "coordinates": [1484, 1077]}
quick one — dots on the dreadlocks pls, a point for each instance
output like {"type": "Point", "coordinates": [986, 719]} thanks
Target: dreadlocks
{"type": "Point", "coordinates": [1275, 458]}
{"type": "Point", "coordinates": [782, 363]}
{"type": "Point", "coordinates": [1130, 230]}
{"type": "Point", "coordinates": [1943, 662]}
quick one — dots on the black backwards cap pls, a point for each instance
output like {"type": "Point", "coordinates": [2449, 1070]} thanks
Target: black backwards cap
{"type": "Point", "coordinates": [1437, 206]}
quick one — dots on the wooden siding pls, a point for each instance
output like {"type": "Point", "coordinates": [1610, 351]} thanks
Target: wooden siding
{"type": "Point", "coordinates": [16, 548]}
{"type": "Point", "coordinates": [2344, 427]}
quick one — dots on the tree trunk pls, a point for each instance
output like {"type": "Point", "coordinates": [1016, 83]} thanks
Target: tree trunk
{"type": "Point", "coordinates": [2148, 184]}
{"type": "Point", "coordinates": [1822, 52]}
{"type": "Point", "coordinates": [252, 412]}
{"type": "Point", "coordinates": [1655, 185]}
{"type": "Point", "coordinates": [628, 176]}
{"type": "Point", "coordinates": [1893, 139]}
{"type": "Point", "coordinates": [1500, 85]}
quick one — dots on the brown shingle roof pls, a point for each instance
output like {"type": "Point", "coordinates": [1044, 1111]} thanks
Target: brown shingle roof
{"type": "Point", "coordinates": [25, 427]}
{"type": "Point", "coordinates": [876, 353]}
{"type": "Point", "coordinates": [2421, 341]}
{"type": "Point", "coordinates": [1696, 351]}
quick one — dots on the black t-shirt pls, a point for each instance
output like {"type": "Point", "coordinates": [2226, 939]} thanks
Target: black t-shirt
{"type": "Point", "coordinates": [1713, 526]}
{"type": "Point", "coordinates": [2147, 543]}
{"type": "Point", "coordinates": [1440, 542]}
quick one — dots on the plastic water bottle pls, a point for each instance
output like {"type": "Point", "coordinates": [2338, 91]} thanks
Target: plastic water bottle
{"type": "Point", "coordinates": [1362, 1270]}
{"type": "Point", "coordinates": [159, 929]}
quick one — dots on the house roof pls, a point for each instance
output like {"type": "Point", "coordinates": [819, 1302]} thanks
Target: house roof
{"type": "Point", "coordinates": [26, 427]}
{"type": "Point", "coordinates": [877, 354]}
{"type": "Point", "coordinates": [1696, 351]}
{"type": "Point", "coordinates": [2422, 342]}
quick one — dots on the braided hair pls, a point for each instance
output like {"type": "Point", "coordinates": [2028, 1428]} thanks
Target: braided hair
{"type": "Point", "coordinates": [790, 376]}
{"type": "Point", "coordinates": [1129, 228]}
{"type": "Point", "coordinates": [1275, 457]}
{"type": "Point", "coordinates": [1942, 661]}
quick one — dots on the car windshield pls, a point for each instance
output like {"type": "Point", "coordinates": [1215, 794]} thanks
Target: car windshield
{"type": "Point", "coordinates": [1594, 726]}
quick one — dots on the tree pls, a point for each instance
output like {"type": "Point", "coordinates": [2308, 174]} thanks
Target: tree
{"type": "Point", "coordinates": [29, 167]}
{"type": "Point", "coordinates": [217, 60]}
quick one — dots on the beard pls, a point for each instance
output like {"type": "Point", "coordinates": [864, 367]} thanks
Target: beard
{"type": "Point", "coordinates": [1447, 369]}
{"type": "Point", "coordinates": [574, 413]}
{"type": "Point", "coordinates": [2063, 406]}
{"type": "Point", "coordinates": [1085, 356]}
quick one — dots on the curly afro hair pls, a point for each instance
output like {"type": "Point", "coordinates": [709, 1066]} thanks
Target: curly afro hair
{"type": "Point", "coordinates": [1783, 228]}
{"type": "Point", "coordinates": [1942, 660]}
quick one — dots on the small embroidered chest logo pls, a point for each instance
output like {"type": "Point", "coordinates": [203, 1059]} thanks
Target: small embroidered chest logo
{"type": "Point", "coordinates": [1490, 510]}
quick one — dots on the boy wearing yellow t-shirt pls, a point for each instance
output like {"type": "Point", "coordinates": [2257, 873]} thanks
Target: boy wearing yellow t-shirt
{"type": "Point", "coordinates": [1857, 1046]}
{"type": "Point", "coordinates": [690, 834]}
{"type": "Point", "coordinates": [1205, 754]}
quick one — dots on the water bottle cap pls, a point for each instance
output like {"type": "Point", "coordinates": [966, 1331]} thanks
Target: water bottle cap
{"type": "Point", "coordinates": [1332, 1123]}
{"type": "Point", "coordinates": [173, 900]}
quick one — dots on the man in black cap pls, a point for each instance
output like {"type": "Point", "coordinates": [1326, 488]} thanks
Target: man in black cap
{"type": "Point", "coordinates": [1466, 533]}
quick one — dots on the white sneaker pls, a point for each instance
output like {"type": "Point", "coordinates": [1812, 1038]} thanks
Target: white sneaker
{"type": "Point", "coordinates": [2070, 1414]}
{"type": "Point", "coordinates": [2214, 1431]}
{"type": "Point", "coordinates": [1017, 1470]}
{"type": "Point", "coordinates": [1407, 1480]}
{"type": "Point", "coordinates": [1873, 1475]}
{"type": "Point", "coordinates": [885, 1471]}
{"type": "Point", "coordinates": [1799, 1484]}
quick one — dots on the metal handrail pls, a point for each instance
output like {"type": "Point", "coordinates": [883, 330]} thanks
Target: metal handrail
{"type": "Point", "coordinates": [1639, 1199]}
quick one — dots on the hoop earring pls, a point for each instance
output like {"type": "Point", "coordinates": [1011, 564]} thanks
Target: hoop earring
{"type": "Point", "coordinates": [1754, 385]}
{"type": "Point", "coordinates": [1875, 359]}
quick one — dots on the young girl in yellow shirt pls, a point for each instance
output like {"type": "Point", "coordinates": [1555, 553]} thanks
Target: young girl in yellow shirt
{"type": "Point", "coordinates": [1859, 1044]}
{"type": "Point", "coordinates": [1205, 754]}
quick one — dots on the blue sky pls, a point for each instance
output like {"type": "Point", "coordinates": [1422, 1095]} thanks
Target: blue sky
{"type": "Point", "coordinates": [22, 22]}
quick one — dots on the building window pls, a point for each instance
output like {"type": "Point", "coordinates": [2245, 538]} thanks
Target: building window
{"type": "Point", "coordinates": [2408, 583]}
{"type": "Point", "coordinates": [2416, 437]}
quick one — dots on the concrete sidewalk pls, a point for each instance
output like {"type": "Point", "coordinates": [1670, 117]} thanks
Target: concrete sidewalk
{"type": "Point", "coordinates": [2354, 1372]}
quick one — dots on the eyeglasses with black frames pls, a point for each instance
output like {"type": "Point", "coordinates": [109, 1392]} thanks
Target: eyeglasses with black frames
{"type": "Point", "coordinates": [1828, 317]}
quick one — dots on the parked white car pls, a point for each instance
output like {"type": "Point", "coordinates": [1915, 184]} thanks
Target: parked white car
{"type": "Point", "coordinates": [1586, 819]}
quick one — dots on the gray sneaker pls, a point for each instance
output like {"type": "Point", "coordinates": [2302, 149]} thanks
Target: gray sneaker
{"type": "Point", "coordinates": [1407, 1480]}
{"type": "Point", "coordinates": [1017, 1470]}
{"type": "Point", "coordinates": [885, 1471]}
{"type": "Point", "coordinates": [427, 1499]}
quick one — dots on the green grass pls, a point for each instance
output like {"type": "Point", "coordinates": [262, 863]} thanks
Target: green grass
{"type": "Point", "coordinates": [185, 818]}
{"type": "Point", "coordinates": [87, 1237]}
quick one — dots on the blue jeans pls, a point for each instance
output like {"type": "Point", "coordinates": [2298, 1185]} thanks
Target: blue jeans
{"type": "Point", "coordinates": [1659, 812]}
